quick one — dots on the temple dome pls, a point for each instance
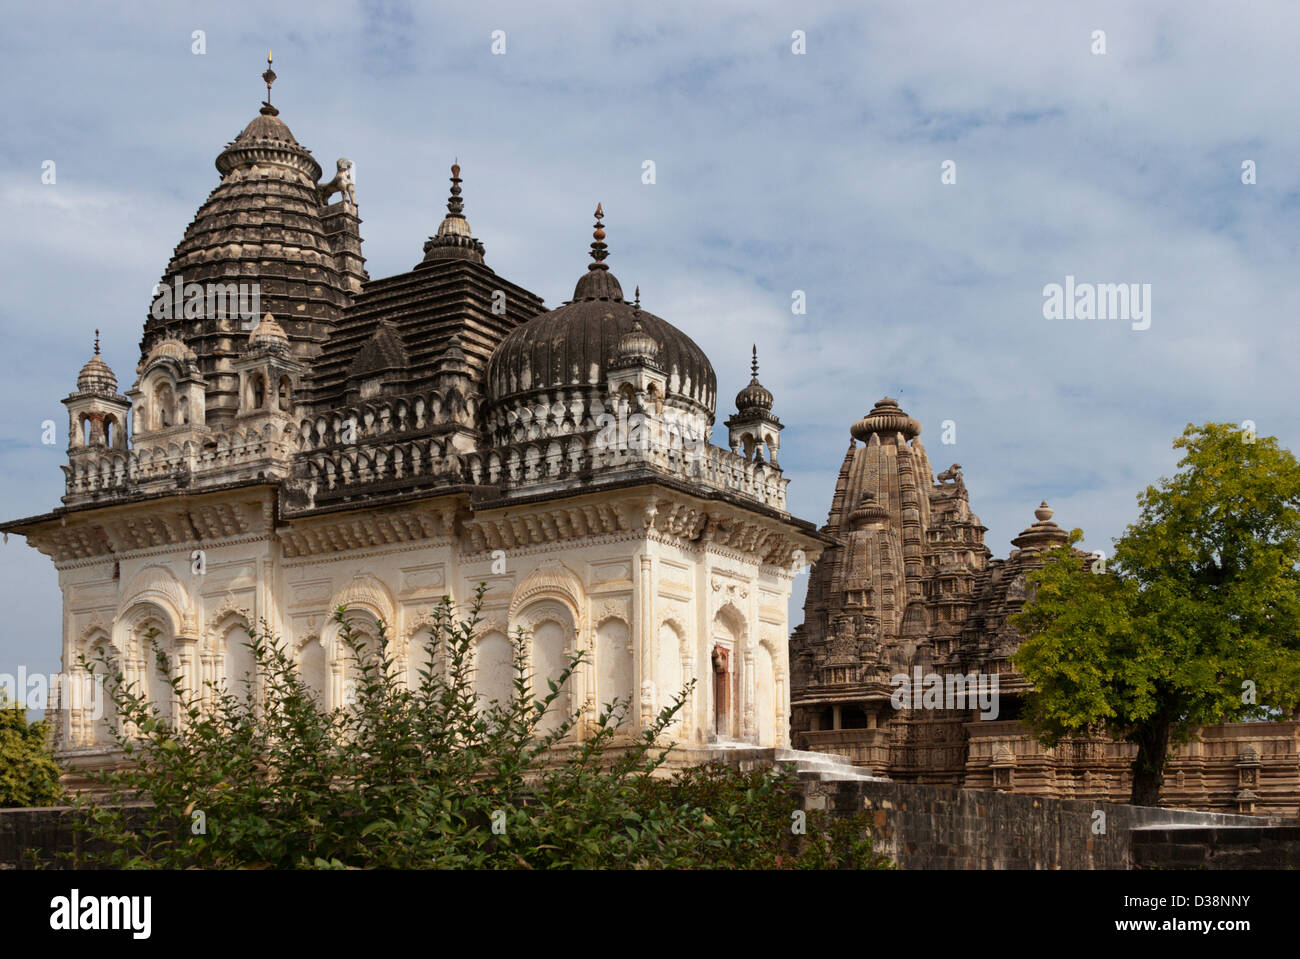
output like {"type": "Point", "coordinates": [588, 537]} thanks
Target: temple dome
{"type": "Point", "coordinates": [755, 396]}
{"type": "Point", "coordinates": [268, 333]}
{"type": "Point", "coordinates": [636, 347]}
{"type": "Point", "coordinates": [267, 140]}
{"type": "Point", "coordinates": [265, 240]}
{"type": "Point", "coordinates": [96, 376]}
{"type": "Point", "coordinates": [577, 344]}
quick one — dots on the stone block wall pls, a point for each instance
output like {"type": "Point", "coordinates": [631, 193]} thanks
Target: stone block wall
{"type": "Point", "coordinates": [934, 827]}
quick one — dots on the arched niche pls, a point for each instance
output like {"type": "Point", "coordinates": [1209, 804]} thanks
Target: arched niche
{"type": "Point", "coordinates": [494, 670]}
{"type": "Point", "coordinates": [615, 670]}
{"type": "Point", "coordinates": [765, 698]}
{"type": "Point", "coordinates": [313, 667]}
{"type": "Point", "coordinates": [237, 672]}
{"type": "Point", "coordinates": [550, 629]}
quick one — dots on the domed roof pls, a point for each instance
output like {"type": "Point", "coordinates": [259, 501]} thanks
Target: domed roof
{"type": "Point", "coordinates": [755, 396]}
{"type": "Point", "coordinates": [577, 343]}
{"type": "Point", "coordinates": [264, 241]}
{"type": "Point", "coordinates": [636, 347]}
{"type": "Point", "coordinates": [169, 347]}
{"type": "Point", "coordinates": [95, 376]}
{"type": "Point", "coordinates": [268, 333]}
{"type": "Point", "coordinates": [267, 141]}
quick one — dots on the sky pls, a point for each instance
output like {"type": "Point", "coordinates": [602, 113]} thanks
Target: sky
{"type": "Point", "coordinates": [775, 171]}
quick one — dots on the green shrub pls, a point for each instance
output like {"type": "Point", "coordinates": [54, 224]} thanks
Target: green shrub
{"type": "Point", "coordinates": [429, 777]}
{"type": "Point", "coordinates": [28, 773]}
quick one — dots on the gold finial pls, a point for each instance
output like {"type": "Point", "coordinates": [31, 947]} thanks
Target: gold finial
{"type": "Point", "coordinates": [268, 78]}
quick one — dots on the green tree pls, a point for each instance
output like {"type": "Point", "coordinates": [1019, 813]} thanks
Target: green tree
{"type": "Point", "coordinates": [1194, 620]}
{"type": "Point", "coordinates": [428, 776]}
{"type": "Point", "coordinates": [28, 773]}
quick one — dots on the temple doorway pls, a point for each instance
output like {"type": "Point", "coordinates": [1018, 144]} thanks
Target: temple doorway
{"type": "Point", "coordinates": [721, 692]}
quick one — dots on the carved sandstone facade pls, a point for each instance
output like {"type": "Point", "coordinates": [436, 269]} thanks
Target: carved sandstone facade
{"type": "Point", "coordinates": [910, 589]}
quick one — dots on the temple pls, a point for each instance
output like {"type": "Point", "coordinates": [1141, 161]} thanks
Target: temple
{"type": "Point", "coordinates": [381, 443]}
{"type": "Point", "coordinates": [299, 436]}
{"type": "Point", "coordinates": [909, 591]}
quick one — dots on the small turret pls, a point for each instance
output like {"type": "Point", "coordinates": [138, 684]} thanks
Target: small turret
{"type": "Point", "coordinates": [753, 428]}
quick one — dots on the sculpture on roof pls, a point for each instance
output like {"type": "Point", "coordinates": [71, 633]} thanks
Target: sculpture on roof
{"type": "Point", "coordinates": [342, 183]}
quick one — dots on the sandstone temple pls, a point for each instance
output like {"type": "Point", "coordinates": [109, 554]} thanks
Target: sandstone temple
{"type": "Point", "coordinates": [909, 588]}
{"type": "Point", "coordinates": [380, 443]}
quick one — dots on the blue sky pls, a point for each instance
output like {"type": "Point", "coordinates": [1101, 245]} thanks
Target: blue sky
{"type": "Point", "coordinates": [775, 172]}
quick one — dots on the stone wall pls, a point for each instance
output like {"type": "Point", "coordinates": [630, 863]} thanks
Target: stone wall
{"type": "Point", "coordinates": [1231, 847]}
{"type": "Point", "coordinates": [43, 837]}
{"type": "Point", "coordinates": [933, 827]}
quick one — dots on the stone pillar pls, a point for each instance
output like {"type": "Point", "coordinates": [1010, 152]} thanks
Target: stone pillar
{"type": "Point", "coordinates": [837, 718]}
{"type": "Point", "coordinates": [782, 711]}
{"type": "Point", "coordinates": [749, 729]}
{"type": "Point", "coordinates": [645, 635]}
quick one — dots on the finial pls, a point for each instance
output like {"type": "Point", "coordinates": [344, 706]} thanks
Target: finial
{"type": "Point", "coordinates": [268, 78]}
{"type": "Point", "coordinates": [637, 301]}
{"type": "Point", "coordinates": [598, 249]}
{"type": "Point", "coordinates": [754, 364]}
{"type": "Point", "coordinates": [97, 342]}
{"type": "Point", "coordinates": [455, 205]}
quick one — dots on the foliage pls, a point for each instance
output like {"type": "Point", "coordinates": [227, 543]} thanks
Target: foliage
{"type": "Point", "coordinates": [1195, 619]}
{"type": "Point", "coordinates": [428, 776]}
{"type": "Point", "coordinates": [28, 773]}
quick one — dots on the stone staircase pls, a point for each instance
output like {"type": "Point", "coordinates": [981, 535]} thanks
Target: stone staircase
{"type": "Point", "coordinates": [823, 767]}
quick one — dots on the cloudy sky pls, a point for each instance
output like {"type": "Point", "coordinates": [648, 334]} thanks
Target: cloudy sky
{"type": "Point", "coordinates": [774, 172]}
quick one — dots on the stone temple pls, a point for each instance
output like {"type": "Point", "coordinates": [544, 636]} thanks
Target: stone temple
{"type": "Point", "coordinates": [381, 443]}
{"type": "Point", "coordinates": [908, 589]}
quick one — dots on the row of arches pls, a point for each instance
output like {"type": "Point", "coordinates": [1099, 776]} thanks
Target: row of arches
{"type": "Point", "coordinates": [737, 696]}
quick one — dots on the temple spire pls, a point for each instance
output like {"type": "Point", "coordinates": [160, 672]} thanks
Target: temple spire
{"type": "Point", "coordinates": [455, 205]}
{"type": "Point", "coordinates": [268, 78]}
{"type": "Point", "coordinates": [454, 240]}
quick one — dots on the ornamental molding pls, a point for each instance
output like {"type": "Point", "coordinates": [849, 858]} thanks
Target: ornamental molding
{"type": "Point", "coordinates": [158, 586]}
{"type": "Point", "coordinates": [350, 533]}
{"type": "Point", "coordinates": [618, 609]}
{"type": "Point", "coordinates": [370, 594]}
{"type": "Point", "coordinates": [552, 579]}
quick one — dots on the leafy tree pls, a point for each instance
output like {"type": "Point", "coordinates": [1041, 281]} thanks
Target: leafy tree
{"type": "Point", "coordinates": [1195, 619]}
{"type": "Point", "coordinates": [28, 773]}
{"type": "Point", "coordinates": [430, 777]}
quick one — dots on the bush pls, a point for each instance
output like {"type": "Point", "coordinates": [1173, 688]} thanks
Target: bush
{"type": "Point", "coordinates": [430, 777]}
{"type": "Point", "coordinates": [28, 773]}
